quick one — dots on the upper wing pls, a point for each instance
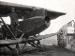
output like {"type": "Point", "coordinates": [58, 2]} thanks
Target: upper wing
{"type": "Point", "coordinates": [27, 11]}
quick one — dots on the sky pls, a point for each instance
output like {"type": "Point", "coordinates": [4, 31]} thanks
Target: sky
{"type": "Point", "coordinates": [67, 6]}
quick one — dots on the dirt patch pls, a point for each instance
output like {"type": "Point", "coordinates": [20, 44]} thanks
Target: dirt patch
{"type": "Point", "coordinates": [45, 51]}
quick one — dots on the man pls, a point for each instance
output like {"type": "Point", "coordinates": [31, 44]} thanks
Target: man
{"type": "Point", "coordinates": [14, 17]}
{"type": "Point", "coordinates": [14, 21]}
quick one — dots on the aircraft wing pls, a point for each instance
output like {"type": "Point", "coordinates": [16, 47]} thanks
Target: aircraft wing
{"type": "Point", "coordinates": [5, 8]}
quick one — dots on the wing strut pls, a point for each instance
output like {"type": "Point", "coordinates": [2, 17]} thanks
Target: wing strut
{"type": "Point", "coordinates": [8, 28]}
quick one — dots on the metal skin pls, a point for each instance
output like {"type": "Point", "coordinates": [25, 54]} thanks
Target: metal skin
{"type": "Point", "coordinates": [33, 21]}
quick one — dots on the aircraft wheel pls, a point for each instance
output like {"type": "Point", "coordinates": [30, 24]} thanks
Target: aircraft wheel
{"type": "Point", "coordinates": [35, 43]}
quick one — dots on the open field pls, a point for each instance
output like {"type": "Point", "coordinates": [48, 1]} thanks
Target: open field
{"type": "Point", "coordinates": [49, 48]}
{"type": "Point", "coordinates": [46, 51]}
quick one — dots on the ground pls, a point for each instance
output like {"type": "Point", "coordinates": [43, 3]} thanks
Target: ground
{"type": "Point", "coordinates": [51, 51]}
{"type": "Point", "coordinates": [46, 51]}
{"type": "Point", "coordinates": [49, 48]}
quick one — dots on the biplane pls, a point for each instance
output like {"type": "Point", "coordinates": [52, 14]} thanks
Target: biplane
{"type": "Point", "coordinates": [26, 22]}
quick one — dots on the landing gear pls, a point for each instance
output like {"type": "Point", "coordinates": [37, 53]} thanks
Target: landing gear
{"type": "Point", "coordinates": [18, 46]}
{"type": "Point", "coordinates": [30, 40]}
{"type": "Point", "coordinates": [34, 42]}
